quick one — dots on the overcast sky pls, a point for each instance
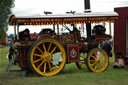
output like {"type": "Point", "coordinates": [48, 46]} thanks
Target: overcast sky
{"type": "Point", "coordinates": [37, 7]}
{"type": "Point", "coordinates": [23, 7]}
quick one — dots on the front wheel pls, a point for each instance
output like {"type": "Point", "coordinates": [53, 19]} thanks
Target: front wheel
{"type": "Point", "coordinates": [97, 60]}
{"type": "Point", "coordinates": [47, 57]}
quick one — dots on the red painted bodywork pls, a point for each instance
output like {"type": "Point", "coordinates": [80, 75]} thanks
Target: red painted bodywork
{"type": "Point", "coordinates": [72, 42]}
{"type": "Point", "coordinates": [69, 38]}
{"type": "Point", "coordinates": [44, 35]}
{"type": "Point", "coordinates": [120, 33]}
{"type": "Point", "coordinates": [23, 53]}
{"type": "Point", "coordinates": [71, 47]}
{"type": "Point", "coordinates": [101, 38]}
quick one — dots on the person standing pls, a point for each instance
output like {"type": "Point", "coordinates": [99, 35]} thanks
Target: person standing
{"type": "Point", "coordinates": [23, 35]}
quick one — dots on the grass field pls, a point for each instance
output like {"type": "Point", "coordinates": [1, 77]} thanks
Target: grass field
{"type": "Point", "coordinates": [71, 75]}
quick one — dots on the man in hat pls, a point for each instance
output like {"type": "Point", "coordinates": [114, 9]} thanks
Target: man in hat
{"type": "Point", "coordinates": [24, 35]}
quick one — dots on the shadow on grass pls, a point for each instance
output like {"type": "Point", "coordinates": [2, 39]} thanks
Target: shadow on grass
{"type": "Point", "coordinates": [69, 69]}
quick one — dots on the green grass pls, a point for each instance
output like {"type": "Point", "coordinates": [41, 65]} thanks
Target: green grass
{"type": "Point", "coordinates": [71, 75]}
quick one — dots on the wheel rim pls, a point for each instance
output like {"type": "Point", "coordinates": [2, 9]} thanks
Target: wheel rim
{"type": "Point", "coordinates": [42, 57]}
{"type": "Point", "coordinates": [97, 60]}
{"type": "Point", "coordinates": [81, 63]}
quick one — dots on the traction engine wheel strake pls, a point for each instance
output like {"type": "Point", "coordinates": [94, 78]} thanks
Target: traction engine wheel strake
{"type": "Point", "coordinates": [47, 57]}
{"type": "Point", "coordinates": [97, 60]}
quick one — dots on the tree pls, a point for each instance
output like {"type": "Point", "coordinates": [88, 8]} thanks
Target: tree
{"type": "Point", "coordinates": [5, 11]}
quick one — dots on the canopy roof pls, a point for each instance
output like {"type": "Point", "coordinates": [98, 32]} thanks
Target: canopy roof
{"type": "Point", "coordinates": [64, 18]}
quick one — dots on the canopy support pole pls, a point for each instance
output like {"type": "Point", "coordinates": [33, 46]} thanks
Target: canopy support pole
{"type": "Point", "coordinates": [57, 29]}
{"type": "Point", "coordinates": [88, 25]}
{"type": "Point", "coordinates": [14, 31]}
{"type": "Point", "coordinates": [54, 27]}
{"type": "Point", "coordinates": [110, 28]}
{"type": "Point", "coordinates": [104, 24]}
{"type": "Point", "coordinates": [17, 32]}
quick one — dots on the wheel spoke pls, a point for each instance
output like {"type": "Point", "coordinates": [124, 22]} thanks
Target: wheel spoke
{"type": "Point", "coordinates": [93, 64]}
{"type": "Point", "coordinates": [40, 65]}
{"type": "Point", "coordinates": [50, 56]}
{"type": "Point", "coordinates": [50, 66]}
{"type": "Point", "coordinates": [94, 57]}
{"type": "Point", "coordinates": [49, 46]}
{"type": "Point", "coordinates": [101, 57]}
{"type": "Point", "coordinates": [37, 60]}
{"type": "Point", "coordinates": [39, 50]}
{"type": "Point", "coordinates": [53, 50]}
{"type": "Point", "coordinates": [102, 60]}
{"type": "Point", "coordinates": [55, 65]}
{"type": "Point", "coordinates": [44, 48]}
{"type": "Point", "coordinates": [95, 68]}
{"type": "Point", "coordinates": [44, 67]}
{"type": "Point", "coordinates": [37, 55]}
{"type": "Point", "coordinates": [91, 60]}
{"type": "Point", "coordinates": [101, 64]}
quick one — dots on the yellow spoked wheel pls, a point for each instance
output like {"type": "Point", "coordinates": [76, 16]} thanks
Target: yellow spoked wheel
{"type": "Point", "coordinates": [47, 57]}
{"type": "Point", "coordinates": [81, 63]}
{"type": "Point", "coordinates": [97, 60]}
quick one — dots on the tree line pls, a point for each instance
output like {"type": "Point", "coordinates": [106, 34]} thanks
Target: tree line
{"type": "Point", "coordinates": [5, 12]}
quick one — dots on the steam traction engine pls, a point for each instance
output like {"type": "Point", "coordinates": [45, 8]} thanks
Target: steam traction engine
{"type": "Point", "coordinates": [48, 54]}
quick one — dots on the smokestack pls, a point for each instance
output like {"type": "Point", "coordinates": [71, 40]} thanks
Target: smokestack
{"type": "Point", "coordinates": [87, 6]}
{"type": "Point", "coordinates": [88, 25]}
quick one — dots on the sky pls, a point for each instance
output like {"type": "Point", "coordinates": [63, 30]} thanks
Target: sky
{"type": "Point", "coordinates": [37, 7]}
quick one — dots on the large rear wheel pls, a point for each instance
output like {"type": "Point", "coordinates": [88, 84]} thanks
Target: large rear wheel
{"type": "Point", "coordinates": [47, 57]}
{"type": "Point", "coordinates": [97, 60]}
